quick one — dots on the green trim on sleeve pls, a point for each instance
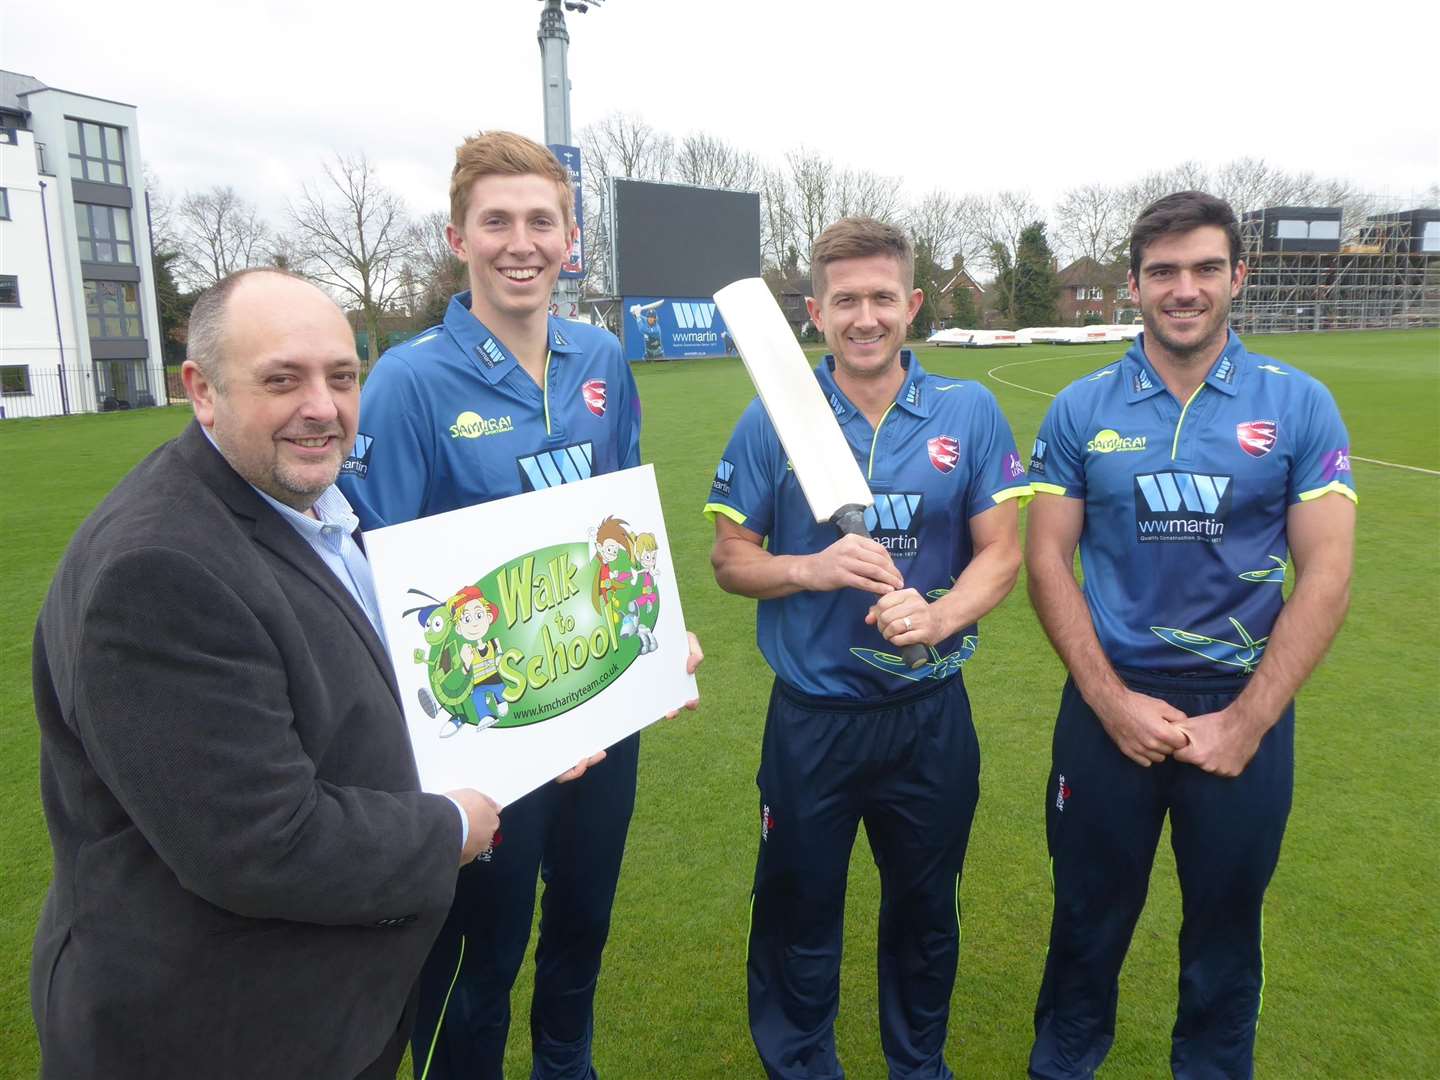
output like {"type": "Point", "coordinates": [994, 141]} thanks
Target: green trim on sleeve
{"type": "Point", "coordinates": [1334, 485]}
{"type": "Point", "coordinates": [711, 509]}
{"type": "Point", "coordinates": [1023, 492]}
{"type": "Point", "coordinates": [1038, 488]}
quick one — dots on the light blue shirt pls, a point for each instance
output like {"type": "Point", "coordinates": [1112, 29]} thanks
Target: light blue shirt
{"type": "Point", "coordinates": [331, 535]}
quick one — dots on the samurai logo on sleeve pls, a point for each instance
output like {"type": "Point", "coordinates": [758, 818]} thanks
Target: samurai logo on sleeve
{"type": "Point", "coordinates": [542, 633]}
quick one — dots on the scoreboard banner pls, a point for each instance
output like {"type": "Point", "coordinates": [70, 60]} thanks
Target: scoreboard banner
{"type": "Point", "coordinates": [674, 328]}
{"type": "Point", "coordinates": [569, 156]}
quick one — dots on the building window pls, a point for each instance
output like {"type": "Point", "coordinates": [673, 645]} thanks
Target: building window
{"type": "Point", "coordinates": [14, 380]}
{"type": "Point", "coordinates": [9, 290]}
{"type": "Point", "coordinates": [1122, 292]}
{"type": "Point", "coordinates": [113, 308]}
{"type": "Point", "coordinates": [4, 204]}
{"type": "Point", "coordinates": [1079, 292]}
{"type": "Point", "coordinates": [104, 233]}
{"type": "Point", "coordinates": [96, 151]}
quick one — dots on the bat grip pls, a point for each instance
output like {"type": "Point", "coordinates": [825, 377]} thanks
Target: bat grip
{"type": "Point", "coordinates": [850, 519]}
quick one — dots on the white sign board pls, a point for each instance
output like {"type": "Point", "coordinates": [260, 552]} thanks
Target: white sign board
{"type": "Point", "coordinates": [530, 632]}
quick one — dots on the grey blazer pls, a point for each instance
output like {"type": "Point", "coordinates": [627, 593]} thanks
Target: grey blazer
{"type": "Point", "coordinates": [246, 877]}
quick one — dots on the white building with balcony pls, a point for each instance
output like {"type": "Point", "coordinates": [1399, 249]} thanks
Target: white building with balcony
{"type": "Point", "coordinates": [79, 329]}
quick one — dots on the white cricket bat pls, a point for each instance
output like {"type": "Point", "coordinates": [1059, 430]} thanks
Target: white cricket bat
{"type": "Point", "coordinates": [832, 482]}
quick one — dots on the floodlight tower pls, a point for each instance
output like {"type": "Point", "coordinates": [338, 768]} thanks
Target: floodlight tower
{"type": "Point", "coordinates": [554, 42]}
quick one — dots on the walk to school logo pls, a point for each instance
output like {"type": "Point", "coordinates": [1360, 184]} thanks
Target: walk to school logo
{"type": "Point", "coordinates": [1256, 437]}
{"type": "Point", "coordinates": [944, 451]}
{"type": "Point", "coordinates": [593, 393]}
{"type": "Point", "coordinates": [471, 425]}
{"type": "Point", "coordinates": [1062, 792]}
{"type": "Point", "coordinates": [1108, 441]}
{"type": "Point", "coordinates": [358, 463]}
{"type": "Point", "coordinates": [541, 633]}
{"type": "Point", "coordinates": [1181, 506]}
{"type": "Point", "coordinates": [894, 522]}
{"type": "Point", "coordinates": [1336, 462]}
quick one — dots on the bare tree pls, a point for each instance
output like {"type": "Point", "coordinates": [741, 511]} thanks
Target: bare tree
{"type": "Point", "coordinates": [706, 161]}
{"type": "Point", "coordinates": [812, 197]}
{"type": "Point", "coordinates": [433, 274]}
{"type": "Point", "coordinates": [353, 237]}
{"type": "Point", "coordinates": [777, 227]}
{"type": "Point", "coordinates": [947, 227]}
{"type": "Point", "coordinates": [862, 192]}
{"type": "Point", "coordinates": [1090, 221]}
{"type": "Point", "coordinates": [218, 232]}
{"type": "Point", "coordinates": [621, 145]}
{"type": "Point", "coordinates": [1002, 219]}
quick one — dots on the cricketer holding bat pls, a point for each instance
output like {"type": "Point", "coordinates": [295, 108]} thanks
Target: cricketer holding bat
{"type": "Point", "coordinates": [1184, 471]}
{"type": "Point", "coordinates": [852, 733]}
{"type": "Point", "coordinates": [503, 398]}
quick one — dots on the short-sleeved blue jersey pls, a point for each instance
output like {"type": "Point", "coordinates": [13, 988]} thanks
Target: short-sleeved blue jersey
{"type": "Point", "coordinates": [450, 419]}
{"type": "Point", "coordinates": [1184, 545]}
{"type": "Point", "coordinates": [941, 454]}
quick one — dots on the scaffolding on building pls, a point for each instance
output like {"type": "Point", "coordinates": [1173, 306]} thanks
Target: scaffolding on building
{"type": "Point", "coordinates": [1383, 273]}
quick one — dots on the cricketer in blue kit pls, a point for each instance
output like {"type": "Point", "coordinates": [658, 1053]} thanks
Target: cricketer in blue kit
{"type": "Point", "coordinates": [500, 399]}
{"type": "Point", "coordinates": [1185, 472]}
{"type": "Point", "coordinates": [852, 734]}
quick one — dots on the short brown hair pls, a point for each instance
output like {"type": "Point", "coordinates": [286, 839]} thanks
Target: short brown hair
{"type": "Point", "coordinates": [1181, 212]}
{"type": "Point", "coordinates": [503, 153]}
{"type": "Point", "coordinates": [205, 334]}
{"type": "Point", "coordinates": [855, 238]}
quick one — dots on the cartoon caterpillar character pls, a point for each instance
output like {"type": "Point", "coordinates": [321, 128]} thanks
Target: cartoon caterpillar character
{"type": "Point", "coordinates": [460, 664]}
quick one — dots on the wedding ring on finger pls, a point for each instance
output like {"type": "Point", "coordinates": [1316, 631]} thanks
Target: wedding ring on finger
{"type": "Point", "coordinates": [908, 622]}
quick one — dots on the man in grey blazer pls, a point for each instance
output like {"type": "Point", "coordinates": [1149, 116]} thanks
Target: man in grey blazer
{"type": "Point", "coordinates": [247, 878]}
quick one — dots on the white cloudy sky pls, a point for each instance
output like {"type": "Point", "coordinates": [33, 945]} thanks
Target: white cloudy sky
{"type": "Point", "coordinates": [972, 97]}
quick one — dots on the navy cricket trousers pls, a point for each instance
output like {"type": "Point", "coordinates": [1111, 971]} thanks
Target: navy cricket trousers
{"type": "Point", "coordinates": [1103, 816]}
{"type": "Point", "coordinates": [910, 770]}
{"type": "Point", "coordinates": [573, 836]}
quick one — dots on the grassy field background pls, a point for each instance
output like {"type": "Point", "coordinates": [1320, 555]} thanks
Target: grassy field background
{"type": "Point", "coordinates": [1352, 918]}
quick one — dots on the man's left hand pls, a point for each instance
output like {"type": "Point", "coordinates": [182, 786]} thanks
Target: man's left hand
{"type": "Point", "coordinates": [905, 617]}
{"type": "Point", "coordinates": [691, 663]}
{"type": "Point", "coordinates": [1220, 742]}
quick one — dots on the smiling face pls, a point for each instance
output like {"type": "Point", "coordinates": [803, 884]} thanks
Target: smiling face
{"type": "Point", "coordinates": [863, 312]}
{"type": "Point", "coordinates": [286, 416]}
{"type": "Point", "coordinates": [609, 550]}
{"type": "Point", "coordinates": [1185, 285]}
{"type": "Point", "coordinates": [473, 620]}
{"type": "Point", "coordinates": [514, 240]}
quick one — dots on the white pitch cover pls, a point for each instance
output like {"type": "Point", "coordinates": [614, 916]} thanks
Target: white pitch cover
{"type": "Point", "coordinates": [804, 420]}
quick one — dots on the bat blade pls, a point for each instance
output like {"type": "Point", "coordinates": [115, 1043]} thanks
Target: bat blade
{"type": "Point", "coordinates": [818, 452]}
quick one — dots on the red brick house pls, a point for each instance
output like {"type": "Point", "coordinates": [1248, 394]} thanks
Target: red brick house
{"type": "Point", "coordinates": [1088, 287]}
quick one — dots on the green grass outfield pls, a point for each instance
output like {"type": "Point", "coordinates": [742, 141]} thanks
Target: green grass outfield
{"type": "Point", "coordinates": [1352, 957]}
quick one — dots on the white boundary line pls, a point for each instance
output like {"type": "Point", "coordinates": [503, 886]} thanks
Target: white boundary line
{"type": "Point", "coordinates": [1058, 356]}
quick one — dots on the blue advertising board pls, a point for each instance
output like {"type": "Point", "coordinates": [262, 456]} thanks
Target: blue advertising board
{"type": "Point", "coordinates": [673, 328]}
{"type": "Point", "coordinates": [575, 264]}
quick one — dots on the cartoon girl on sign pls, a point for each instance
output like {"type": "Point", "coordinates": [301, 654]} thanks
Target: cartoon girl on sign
{"type": "Point", "coordinates": [646, 553]}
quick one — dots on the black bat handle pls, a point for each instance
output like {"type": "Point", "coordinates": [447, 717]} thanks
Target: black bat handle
{"type": "Point", "coordinates": [850, 519]}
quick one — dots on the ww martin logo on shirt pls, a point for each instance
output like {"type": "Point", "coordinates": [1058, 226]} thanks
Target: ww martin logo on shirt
{"type": "Point", "coordinates": [1181, 506]}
